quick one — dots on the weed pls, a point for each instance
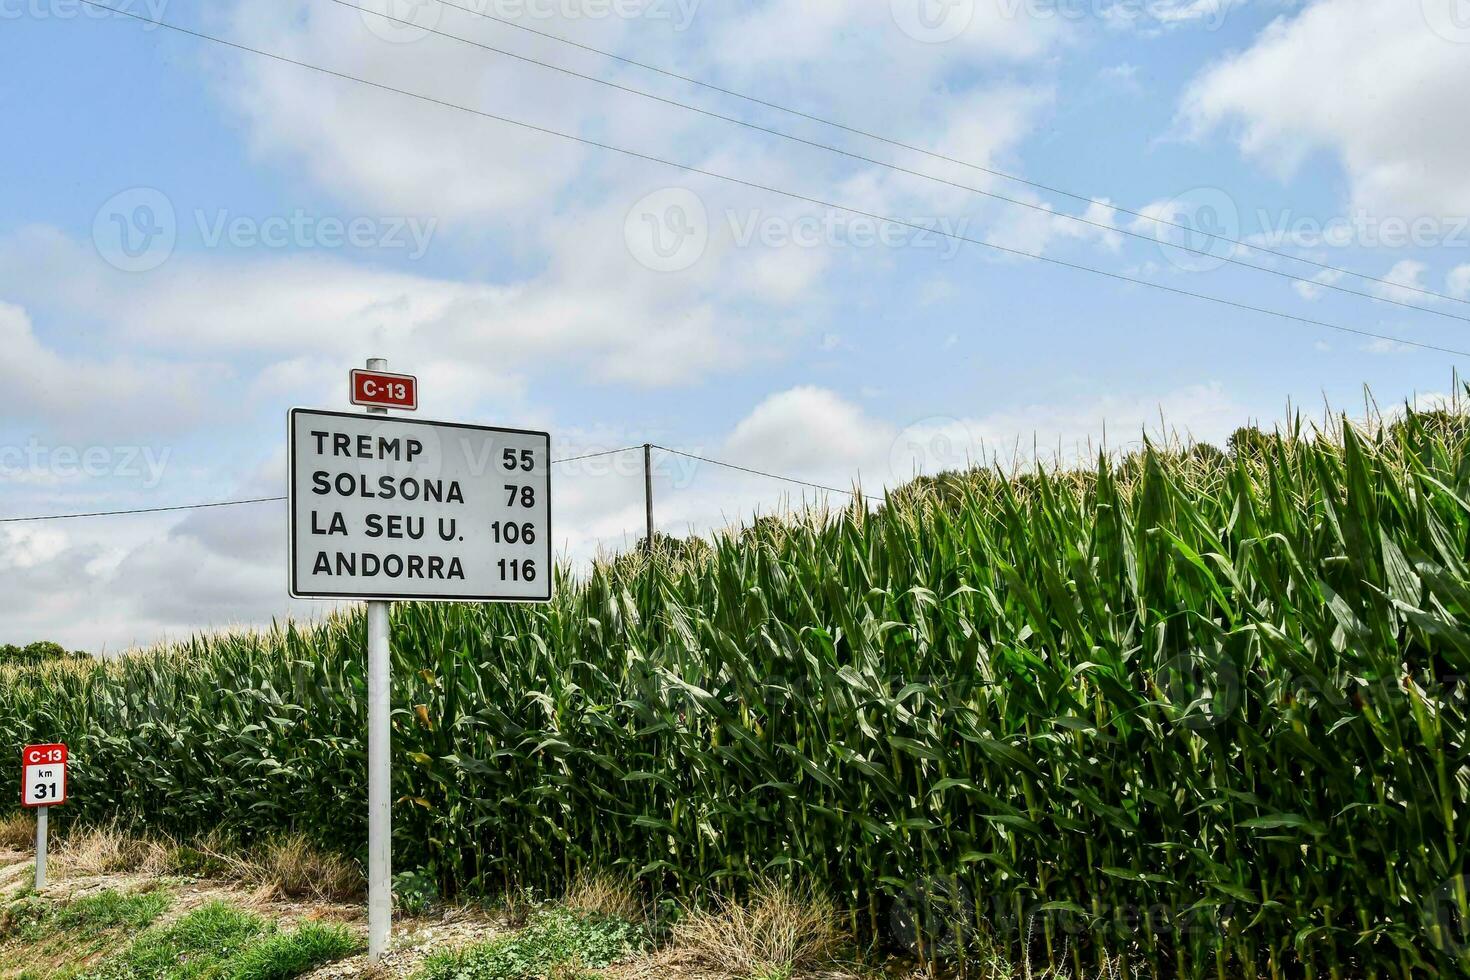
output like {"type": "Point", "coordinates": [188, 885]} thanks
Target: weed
{"type": "Point", "coordinates": [17, 832]}
{"type": "Point", "coordinates": [775, 933]}
{"type": "Point", "coordinates": [285, 955]}
{"type": "Point", "coordinates": [556, 943]}
{"type": "Point", "coordinates": [195, 947]}
{"type": "Point", "coordinates": [606, 896]}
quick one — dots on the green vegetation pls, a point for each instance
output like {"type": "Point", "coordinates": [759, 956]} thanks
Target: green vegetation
{"type": "Point", "coordinates": [1203, 711]}
{"type": "Point", "coordinates": [91, 914]}
{"type": "Point", "coordinates": [35, 654]}
{"type": "Point", "coordinates": [282, 956]}
{"type": "Point", "coordinates": [217, 941]}
{"type": "Point", "coordinates": [554, 940]}
{"type": "Point", "coordinates": [47, 938]}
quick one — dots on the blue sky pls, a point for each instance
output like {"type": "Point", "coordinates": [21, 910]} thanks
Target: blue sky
{"type": "Point", "coordinates": [175, 269]}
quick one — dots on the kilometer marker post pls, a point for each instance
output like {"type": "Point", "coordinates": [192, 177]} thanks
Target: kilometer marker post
{"type": "Point", "coordinates": [380, 769]}
{"type": "Point", "coordinates": [42, 786]}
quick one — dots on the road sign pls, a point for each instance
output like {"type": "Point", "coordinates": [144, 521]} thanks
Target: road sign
{"type": "Point", "coordinates": [388, 508]}
{"type": "Point", "coordinates": [43, 775]}
{"type": "Point", "coordinates": [381, 390]}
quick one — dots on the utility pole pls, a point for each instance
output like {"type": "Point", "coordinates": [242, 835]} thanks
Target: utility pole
{"type": "Point", "coordinates": [380, 770]}
{"type": "Point", "coordinates": [648, 494]}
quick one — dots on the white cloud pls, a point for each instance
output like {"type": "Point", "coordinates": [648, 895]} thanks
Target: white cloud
{"type": "Point", "coordinates": [94, 395]}
{"type": "Point", "coordinates": [1458, 282]}
{"type": "Point", "coordinates": [1408, 277]}
{"type": "Point", "coordinates": [1362, 79]}
{"type": "Point", "coordinates": [139, 579]}
{"type": "Point", "coordinates": [1313, 290]}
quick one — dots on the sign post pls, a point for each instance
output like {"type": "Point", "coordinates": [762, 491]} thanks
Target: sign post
{"type": "Point", "coordinates": [385, 508]}
{"type": "Point", "coordinates": [380, 746]}
{"type": "Point", "coordinates": [42, 786]}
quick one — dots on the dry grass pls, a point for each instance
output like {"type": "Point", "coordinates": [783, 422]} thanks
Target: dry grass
{"type": "Point", "coordinates": [607, 896]}
{"type": "Point", "coordinates": [283, 868]}
{"type": "Point", "coordinates": [105, 850]}
{"type": "Point", "coordinates": [779, 931]}
{"type": "Point", "coordinates": [17, 831]}
{"type": "Point", "coordinates": [289, 867]}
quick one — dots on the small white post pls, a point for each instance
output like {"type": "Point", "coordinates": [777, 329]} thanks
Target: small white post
{"type": "Point", "coordinates": [41, 818]}
{"type": "Point", "coordinates": [380, 770]}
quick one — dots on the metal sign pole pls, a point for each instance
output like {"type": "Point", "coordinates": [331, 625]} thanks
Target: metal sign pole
{"type": "Point", "coordinates": [648, 495]}
{"type": "Point", "coordinates": [41, 847]}
{"type": "Point", "coordinates": [380, 772]}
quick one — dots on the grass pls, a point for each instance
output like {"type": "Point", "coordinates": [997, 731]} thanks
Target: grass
{"type": "Point", "coordinates": [109, 909]}
{"type": "Point", "coordinates": [219, 942]}
{"type": "Point", "coordinates": [555, 943]}
{"type": "Point", "coordinates": [17, 831]}
{"type": "Point", "coordinates": [286, 866]}
{"type": "Point", "coordinates": [605, 896]}
{"type": "Point", "coordinates": [775, 933]}
{"type": "Point", "coordinates": [1181, 707]}
{"type": "Point", "coordinates": [57, 938]}
{"type": "Point", "coordinates": [285, 955]}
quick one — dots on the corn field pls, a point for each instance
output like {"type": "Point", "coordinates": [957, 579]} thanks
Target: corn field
{"type": "Point", "coordinates": [1201, 710]}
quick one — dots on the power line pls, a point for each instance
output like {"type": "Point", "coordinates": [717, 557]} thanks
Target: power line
{"type": "Point", "coordinates": [236, 503]}
{"type": "Point", "coordinates": [1043, 209]}
{"type": "Point", "coordinates": [775, 190]}
{"type": "Point", "coordinates": [554, 462]}
{"type": "Point", "coordinates": [769, 476]}
{"type": "Point", "coordinates": [610, 452]}
{"type": "Point", "coordinates": [141, 510]}
{"type": "Point", "coordinates": [1086, 199]}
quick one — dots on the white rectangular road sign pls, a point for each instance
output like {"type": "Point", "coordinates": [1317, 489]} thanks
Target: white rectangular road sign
{"type": "Point", "coordinates": [389, 508]}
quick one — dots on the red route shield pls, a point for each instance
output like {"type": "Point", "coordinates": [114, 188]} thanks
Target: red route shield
{"type": "Point", "coordinates": [43, 775]}
{"type": "Point", "coordinates": [381, 390]}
